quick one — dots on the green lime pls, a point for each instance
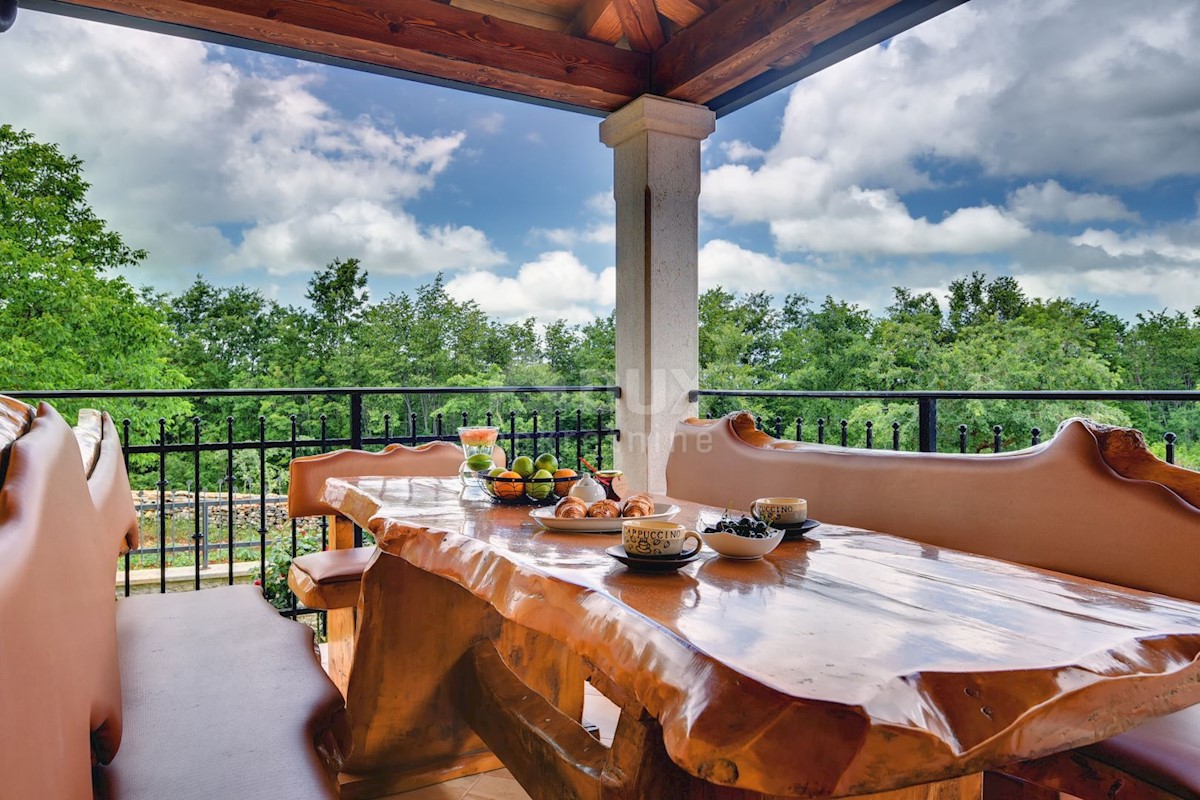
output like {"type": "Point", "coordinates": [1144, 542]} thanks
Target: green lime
{"type": "Point", "coordinates": [540, 485]}
{"type": "Point", "coordinates": [523, 466]}
{"type": "Point", "coordinates": [480, 461]}
{"type": "Point", "coordinates": [490, 486]}
{"type": "Point", "coordinates": [547, 462]}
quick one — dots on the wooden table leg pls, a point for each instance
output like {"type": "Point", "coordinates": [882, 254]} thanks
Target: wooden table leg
{"type": "Point", "coordinates": [402, 699]}
{"type": "Point", "coordinates": [554, 758]}
{"type": "Point", "coordinates": [340, 623]}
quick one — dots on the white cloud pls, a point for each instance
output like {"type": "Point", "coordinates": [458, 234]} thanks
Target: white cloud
{"type": "Point", "coordinates": [734, 268]}
{"type": "Point", "coordinates": [876, 221]}
{"type": "Point", "coordinates": [1178, 243]}
{"type": "Point", "coordinates": [737, 150]}
{"type": "Point", "coordinates": [186, 151]}
{"type": "Point", "coordinates": [388, 241]}
{"type": "Point", "coordinates": [491, 123]}
{"type": "Point", "coordinates": [602, 229]}
{"type": "Point", "coordinates": [1165, 286]}
{"type": "Point", "coordinates": [596, 233]}
{"type": "Point", "coordinates": [556, 285]}
{"type": "Point", "coordinates": [1097, 92]}
{"type": "Point", "coordinates": [1050, 201]}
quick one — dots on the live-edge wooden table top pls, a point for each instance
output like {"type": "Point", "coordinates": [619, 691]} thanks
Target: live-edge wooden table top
{"type": "Point", "coordinates": [847, 662]}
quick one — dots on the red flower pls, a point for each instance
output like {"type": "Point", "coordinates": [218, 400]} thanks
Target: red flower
{"type": "Point", "coordinates": [257, 582]}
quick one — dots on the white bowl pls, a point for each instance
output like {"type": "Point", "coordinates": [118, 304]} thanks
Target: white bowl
{"type": "Point", "coordinates": [731, 545]}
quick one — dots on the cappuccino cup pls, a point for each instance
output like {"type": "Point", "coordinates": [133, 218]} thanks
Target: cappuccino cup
{"type": "Point", "coordinates": [785, 510]}
{"type": "Point", "coordinates": [657, 539]}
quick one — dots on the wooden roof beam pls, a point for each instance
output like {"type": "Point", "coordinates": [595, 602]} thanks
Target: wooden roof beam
{"type": "Point", "coordinates": [639, 20]}
{"type": "Point", "coordinates": [682, 12]}
{"type": "Point", "coordinates": [741, 39]}
{"type": "Point", "coordinates": [419, 37]}
{"type": "Point", "coordinates": [598, 20]}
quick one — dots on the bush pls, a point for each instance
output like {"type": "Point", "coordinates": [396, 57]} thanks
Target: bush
{"type": "Point", "coordinates": [279, 561]}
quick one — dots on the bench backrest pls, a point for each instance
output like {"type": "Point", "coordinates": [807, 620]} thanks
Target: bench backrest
{"type": "Point", "coordinates": [15, 419]}
{"type": "Point", "coordinates": [108, 484]}
{"type": "Point", "coordinates": [60, 691]}
{"type": "Point", "coordinates": [1058, 506]}
{"type": "Point", "coordinates": [307, 474]}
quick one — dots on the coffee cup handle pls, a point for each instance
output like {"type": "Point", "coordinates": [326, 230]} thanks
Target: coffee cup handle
{"type": "Point", "coordinates": [754, 509]}
{"type": "Point", "coordinates": [699, 544]}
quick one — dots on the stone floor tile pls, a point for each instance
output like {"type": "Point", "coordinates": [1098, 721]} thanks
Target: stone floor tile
{"type": "Point", "coordinates": [492, 786]}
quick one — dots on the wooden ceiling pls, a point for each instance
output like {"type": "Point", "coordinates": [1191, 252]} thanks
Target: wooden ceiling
{"type": "Point", "coordinates": [587, 55]}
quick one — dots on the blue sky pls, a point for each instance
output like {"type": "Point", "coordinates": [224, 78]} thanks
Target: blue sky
{"type": "Point", "coordinates": [1057, 141]}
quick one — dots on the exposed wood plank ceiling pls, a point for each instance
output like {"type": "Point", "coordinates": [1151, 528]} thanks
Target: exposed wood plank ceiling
{"type": "Point", "coordinates": [590, 55]}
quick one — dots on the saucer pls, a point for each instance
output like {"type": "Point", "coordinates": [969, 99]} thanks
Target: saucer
{"type": "Point", "coordinates": [795, 530]}
{"type": "Point", "coordinates": [666, 564]}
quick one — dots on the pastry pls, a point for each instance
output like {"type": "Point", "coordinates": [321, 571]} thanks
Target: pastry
{"type": "Point", "coordinates": [603, 508]}
{"type": "Point", "coordinates": [570, 508]}
{"type": "Point", "coordinates": [637, 506]}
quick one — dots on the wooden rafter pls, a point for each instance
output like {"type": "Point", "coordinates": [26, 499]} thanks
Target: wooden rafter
{"type": "Point", "coordinates": [512, 12]}
{"type": "Point", "coordinates": [639, 20]}
{"type": "Point", "coordinates": [597, 20]}
{"type": "Point", "coordinates": [741, 39]}
{"type": "Point", "coordinates": [422, 37]}
{"type": "Point", "coordinates": [682, 12]}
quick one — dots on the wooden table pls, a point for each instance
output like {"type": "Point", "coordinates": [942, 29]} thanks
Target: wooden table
{"type": "Point", "coordinates": [847, 663]}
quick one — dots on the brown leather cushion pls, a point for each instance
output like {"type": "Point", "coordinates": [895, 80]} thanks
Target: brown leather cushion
{"type": "Point", "coordinates": [1164, 752]}
{"type": "Point", "coordinates": [89, 430]}
{"type": "Point", "coordinates": [331, 579]}
{"type": "Point", "coordinates": [307, 474]}
{"type": "Point", "coordinates": [108, 484]}
{"type": "Point", "coordinates": [223, 698]}
{"type": "Point", "coordinates": [15, 419]}
{"type": "Point", "coordinates": [60, 690]}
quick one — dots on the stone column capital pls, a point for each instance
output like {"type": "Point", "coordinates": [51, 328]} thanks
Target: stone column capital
{"type": "Point", "coordinates": [660, 114]}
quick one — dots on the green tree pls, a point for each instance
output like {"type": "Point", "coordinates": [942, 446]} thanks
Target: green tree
{"type": "Point", "coordinates": [65, 322]}
{"type": "Point", "coordinates": [44, 209]}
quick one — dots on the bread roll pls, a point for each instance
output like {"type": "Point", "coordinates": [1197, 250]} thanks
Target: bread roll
{"type": "Point", "coordinates": [603, 508]}
{"type": "Point", "coordinates": [570, 508]}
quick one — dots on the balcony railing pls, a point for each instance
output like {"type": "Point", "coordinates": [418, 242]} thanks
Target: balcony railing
{"type": "Point", "coordinates": [828, 426]}
{"type": "Point", "coordinates": [216, 460]}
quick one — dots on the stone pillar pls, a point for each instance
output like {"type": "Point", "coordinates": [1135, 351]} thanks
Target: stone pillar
{"type": "Point", "coordinates": [656, 153]}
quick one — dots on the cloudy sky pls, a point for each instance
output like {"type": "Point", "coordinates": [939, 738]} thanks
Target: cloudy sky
{"type": "Point", "coordinates": [1054, 140]}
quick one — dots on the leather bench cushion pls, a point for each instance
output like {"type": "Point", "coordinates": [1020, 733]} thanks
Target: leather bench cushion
{"type": "Point", "coordinates": [330, 579]}
{"type": "Point", "coordinates": [15, 419]}
{"type": "Point", "coordinates": [60, 691]}
{"type": "Point", "coordinates": [1163, 752]}
{"type": "Point", "coordinates": [108, 484]}
{"type": "Point", "coordinates": [223, 698]}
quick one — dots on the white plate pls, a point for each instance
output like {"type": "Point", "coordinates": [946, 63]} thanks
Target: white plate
{"type": "Point", "coordinates": [545, 515]}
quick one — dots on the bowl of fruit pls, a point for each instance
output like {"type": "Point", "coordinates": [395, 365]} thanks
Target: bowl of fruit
{"type": "Point", "coordinates": [527, 481]}
{"type": "Point", "coordinates": [742, 538]}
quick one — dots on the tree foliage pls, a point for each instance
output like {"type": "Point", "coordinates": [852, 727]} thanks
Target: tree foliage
{"type": "Point", "coordinates": [69, 318]}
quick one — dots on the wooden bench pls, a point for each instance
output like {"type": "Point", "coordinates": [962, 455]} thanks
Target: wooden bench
{"type": "Point", "coordinates": [1093, 502]}
{"type": "Point", "coordinates": [205, 694]}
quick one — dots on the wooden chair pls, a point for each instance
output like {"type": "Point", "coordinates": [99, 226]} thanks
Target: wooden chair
{"type": "Point", "coordinates": [1093, 501]}
{"type": "Point", "coordinates": [333, 583]}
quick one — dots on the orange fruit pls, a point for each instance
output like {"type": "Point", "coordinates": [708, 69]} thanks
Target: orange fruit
{"type": "Point", "coordinates": [507, 490]}
{"type": "Point", "coordinates": [565, 486]}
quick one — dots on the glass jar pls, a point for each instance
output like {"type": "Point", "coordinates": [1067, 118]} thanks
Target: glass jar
{"type": "Point", "coordinates": [478, 442]}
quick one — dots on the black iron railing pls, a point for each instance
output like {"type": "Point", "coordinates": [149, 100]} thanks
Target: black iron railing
{"type": "Point", "coordinates": [172, 459]}
{"type": "Point", "coordinates": [831, 429]}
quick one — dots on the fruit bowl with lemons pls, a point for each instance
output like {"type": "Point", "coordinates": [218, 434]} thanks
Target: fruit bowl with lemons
{"type": "Point", "coordinates": [538, 481]}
